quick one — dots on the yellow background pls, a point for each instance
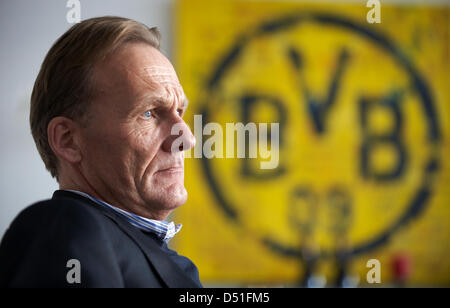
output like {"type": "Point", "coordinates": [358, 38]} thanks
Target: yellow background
{"type": "Point", "coordinates": [227, 252]}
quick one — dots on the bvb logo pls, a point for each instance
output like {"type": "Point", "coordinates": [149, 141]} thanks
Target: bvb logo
{"type": "Point", "coordinates": [359, 137]}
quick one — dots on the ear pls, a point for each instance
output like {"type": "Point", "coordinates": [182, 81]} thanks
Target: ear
{"type": "Point", "coordinates": [62, 135]}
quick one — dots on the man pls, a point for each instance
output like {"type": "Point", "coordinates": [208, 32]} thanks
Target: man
{"type": "Point", "coordinates": [102, 111]}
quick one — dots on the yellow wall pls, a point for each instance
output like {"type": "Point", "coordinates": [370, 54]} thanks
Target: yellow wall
{"type": "Point", "coordinates": [370, 177]}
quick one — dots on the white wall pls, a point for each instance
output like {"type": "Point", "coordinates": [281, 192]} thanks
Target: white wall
{"type": "Point", "coordinates": [27, 31]}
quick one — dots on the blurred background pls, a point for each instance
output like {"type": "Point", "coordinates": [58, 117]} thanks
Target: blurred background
{"type": "Point", "coordinates": [363, 110]}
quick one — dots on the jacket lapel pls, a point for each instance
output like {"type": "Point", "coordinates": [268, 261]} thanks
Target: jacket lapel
{"type": "Point", "coordinates": [169, 272]}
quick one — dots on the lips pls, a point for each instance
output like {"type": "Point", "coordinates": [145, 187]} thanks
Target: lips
{"type": "Point", "coordinates": [173, 169]}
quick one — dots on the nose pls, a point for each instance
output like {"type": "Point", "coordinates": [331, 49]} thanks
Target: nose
{"type": "Point", "coordinates": [180, 138]}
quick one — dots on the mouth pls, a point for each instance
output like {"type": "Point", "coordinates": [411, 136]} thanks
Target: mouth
{"type": "Point", "coordinates": [170, 170]}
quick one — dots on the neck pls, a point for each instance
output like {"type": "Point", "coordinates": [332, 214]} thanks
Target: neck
{"type": "Point", "coordinates": [70, 179]}
{"type": "Point", "coordinates": [75, 180]}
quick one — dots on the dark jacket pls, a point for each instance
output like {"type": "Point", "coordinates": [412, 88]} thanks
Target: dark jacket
{"type": "Point", "coordinates": [111, 252]}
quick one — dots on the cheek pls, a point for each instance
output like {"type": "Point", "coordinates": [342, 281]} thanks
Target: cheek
{"type": "Point", "coordinates": [105, 147]}
{"type": "Point", "coordinates": [142, 146]}
{"type": "Point", "coordinates": [124, 150]}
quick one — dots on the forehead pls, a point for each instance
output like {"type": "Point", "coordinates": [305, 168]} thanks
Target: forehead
{"type": "Point", "coordinates": [135, 71]}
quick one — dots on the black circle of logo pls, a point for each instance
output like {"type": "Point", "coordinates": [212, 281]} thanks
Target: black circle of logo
{"type": "Point", "coordinates": [417, 202]}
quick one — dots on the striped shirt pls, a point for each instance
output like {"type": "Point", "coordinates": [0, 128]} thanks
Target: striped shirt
{"type": "Point", "coordinates": [164, 230]}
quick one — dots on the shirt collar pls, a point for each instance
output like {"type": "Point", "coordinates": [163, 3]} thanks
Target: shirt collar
{"type": "Point", "coordinates": [164, 230]}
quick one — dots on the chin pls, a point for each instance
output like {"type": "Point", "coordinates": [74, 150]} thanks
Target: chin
{"type": "Point", "coordinates": [175, 197]}
{"type": "Point", "coordinates": [168, 198]}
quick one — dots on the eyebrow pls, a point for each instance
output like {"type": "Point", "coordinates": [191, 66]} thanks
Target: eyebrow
{"type": "Point", "coordinates": [160, 100]}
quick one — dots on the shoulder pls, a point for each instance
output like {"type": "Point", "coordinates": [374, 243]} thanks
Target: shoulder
{"type": "Point", "coordinates": [61, 213]}
{"type": "Point", "coordinates": [46, 235]}
{"type": "Point", "coordinates": [68, 222]}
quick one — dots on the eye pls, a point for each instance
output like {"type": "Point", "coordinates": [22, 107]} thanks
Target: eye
{"type": "Point", "coordinates": [180, 112]}
{"type": "Point", "coordinates": [148, 114]}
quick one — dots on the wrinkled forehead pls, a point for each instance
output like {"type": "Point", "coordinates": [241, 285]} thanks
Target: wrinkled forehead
{"type": "Point", "coordinates": [162, 76]}
{"type": "Point", "coordinates": [162, 73]}
{"type": "Point", "coordinates": [135, 72]}
{"type": "Point", "coordinates": [163, 80]}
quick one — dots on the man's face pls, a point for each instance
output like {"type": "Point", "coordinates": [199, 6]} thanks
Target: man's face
{"type": "Point", "coordinates": [126, 144]}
